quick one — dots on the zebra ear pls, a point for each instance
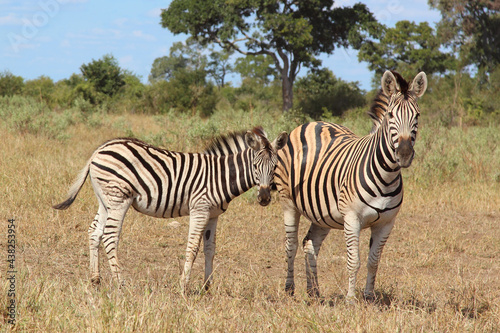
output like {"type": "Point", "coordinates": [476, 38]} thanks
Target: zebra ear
{"type": "Point", "coordinates": [252, 140]}
{"type": "Point", "coordinates": [419, 84]}
{"type": "Point", "coordinates": [280, 141]}
{"type": "Point", "coordinates": [389, 83]}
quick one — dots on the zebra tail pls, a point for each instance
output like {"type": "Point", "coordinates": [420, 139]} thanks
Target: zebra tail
{"type": "Point", "coordinates": [75, 188]}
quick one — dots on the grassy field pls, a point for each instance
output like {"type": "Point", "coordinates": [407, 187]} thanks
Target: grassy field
{"type": "Point", "coordinates": [439, 272]}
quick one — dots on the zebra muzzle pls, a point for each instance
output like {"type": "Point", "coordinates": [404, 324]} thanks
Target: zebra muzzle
{"type": "Point", "coordinates": [264, 196]}
{"type": "Point", "coordinates": [404, 153]}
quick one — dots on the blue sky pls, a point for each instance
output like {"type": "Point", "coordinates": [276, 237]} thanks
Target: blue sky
{"type": "Point", "coordinates": [55, 37]}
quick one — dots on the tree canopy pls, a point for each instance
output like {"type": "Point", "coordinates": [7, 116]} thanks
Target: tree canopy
{"type": "Point", "coordinates": [104, 74]}
{"type": "Point", "coordinates": [292, 33]}
{"type": "Point", "coordinates": [472, 29]}
{"type": "Point", "coordinates": [407, 48]}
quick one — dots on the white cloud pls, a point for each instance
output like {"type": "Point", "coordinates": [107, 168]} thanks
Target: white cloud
{"type": "Point", "coordinates": [155, 12]}
{"type": "Point", "coordinates": [126, 60]}
{"type": "Point", "coordinates": [142, 35]}
{"type": "Point", "coordinates": [11, 19]}
{"type": "Point", "coordinates": [71, 1]}
{"type": "Point", "coordinates": [120, 21]}
{"type": "Point", "coordinates": [65, 43]}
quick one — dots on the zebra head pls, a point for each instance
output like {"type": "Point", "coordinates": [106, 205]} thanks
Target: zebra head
{"type": "Point", "coordinates": [265, 160]}
{"type": "Point", "coordinates": [402, 113]}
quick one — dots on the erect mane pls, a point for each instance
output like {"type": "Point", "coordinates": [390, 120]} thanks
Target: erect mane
{"type": "Point", "coordinates": [231, 143]}
{"type": "Point", "coordinates": [381, 102]}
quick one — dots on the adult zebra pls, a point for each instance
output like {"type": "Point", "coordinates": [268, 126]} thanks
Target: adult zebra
{"type": "Point", "coordinates": [161, 183]}
{"type": "Point", "coordinates": [341, 181]}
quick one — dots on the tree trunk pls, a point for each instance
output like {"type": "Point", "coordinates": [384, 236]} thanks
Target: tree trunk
{"type": "Point", "coordinates": [287, 92]}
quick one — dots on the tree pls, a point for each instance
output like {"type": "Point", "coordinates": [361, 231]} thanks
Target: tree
{"type": "Point", "coordinates": [292, 33]}
{"type": "Point", "coordinates": [219, 66]}
{"type": "Point", "coordinates": [407, 48]}
{"type": "Point", "coordinates": [258, 68]}
{"type": "Point", "coordinates": [104, 74]}
{"type": "Point", "coordinates": [472, 29]}
{"type": "Point", "coordinates": [321, 92]}
{"type": "Point", "coordinates": [164, 67]}
{"type": "Point", "coordinates": [184, 71]}
{"type": "Point", "coordinates": [10, 84]}
{"type": "Point", "coordinates": [41, 88]}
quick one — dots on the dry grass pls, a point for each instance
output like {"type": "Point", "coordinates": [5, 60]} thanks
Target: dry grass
{"type": "Point", "coordinates": [439, 271]}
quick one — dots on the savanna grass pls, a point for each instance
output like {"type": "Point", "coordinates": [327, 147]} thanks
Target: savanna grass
{"type": "Point", "coordinates": [439, 271]}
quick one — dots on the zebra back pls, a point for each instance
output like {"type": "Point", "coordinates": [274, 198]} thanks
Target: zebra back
{"type": "Point", "coordinates": [231, 143]}
{"type": "Point", "coordinates": [378, 108]}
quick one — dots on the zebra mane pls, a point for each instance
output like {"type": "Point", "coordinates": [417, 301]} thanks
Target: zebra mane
{"type": "Point", "coordinates": [381, 102]}
{"type": "Point", "coordinates": [232, 143]}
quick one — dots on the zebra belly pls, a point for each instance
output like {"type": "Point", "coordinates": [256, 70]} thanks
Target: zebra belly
{"type": "Point", "coordinates": [379, 210]}
{"type": "Point", "coordinates": [162, 211]}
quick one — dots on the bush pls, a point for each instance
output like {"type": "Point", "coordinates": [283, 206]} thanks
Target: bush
{"type": "Point", "coordinates": [320, 92]}
{"type": "Point", "coordinates": [10, 84]}
{"type": "Point", "coordinates": [41, 89]}
{"type": "Point", "coordinates": [105, 76]}
{"type": "Point", "coordinates": [27, 115]}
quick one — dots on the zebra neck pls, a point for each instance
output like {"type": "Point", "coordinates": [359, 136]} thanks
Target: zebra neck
{"type": "Point", "coordinates": [239, 176]}
{"type": "Point", "coordinates": [384, 155]}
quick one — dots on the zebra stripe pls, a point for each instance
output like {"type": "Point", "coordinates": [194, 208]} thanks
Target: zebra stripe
{"type": "Point", "coordinates": [338, 180]}
{"type": "Point", "coordinates": [127, 172]}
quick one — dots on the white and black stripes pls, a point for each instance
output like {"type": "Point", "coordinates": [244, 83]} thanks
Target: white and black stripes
{"type": "Point", "coordinates": [162, 183]}
{"type": "Point", "coordinates": [341, 181]}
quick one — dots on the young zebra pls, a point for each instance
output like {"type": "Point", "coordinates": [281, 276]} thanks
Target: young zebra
{"type": "Point", "coordinates": [161, 183]}
{"type": "Point", "coordinates": [341, 181]}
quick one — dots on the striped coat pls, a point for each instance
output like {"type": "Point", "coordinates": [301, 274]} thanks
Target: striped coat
{"type": "Point", "coordinates": [161, 183]}
{"type": "Point", "coordinates": [338, 180]}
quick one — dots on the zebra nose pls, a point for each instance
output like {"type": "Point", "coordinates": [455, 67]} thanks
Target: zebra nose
{"type": "Point", "coordinates": [264, 196]}
{"type": "Point", "coordinates": [405, 153]}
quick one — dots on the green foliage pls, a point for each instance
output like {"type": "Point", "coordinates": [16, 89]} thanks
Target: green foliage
{"type": "Point", "coordinates": [455, 155]}
{"type": "Point", "coordinates": [293, 34]}
{"type": "Point", "coordinates": [186, 56]}
{"type": "Point", "coordinates": [164, 67]}
{"type": "Point", "coordinates": [219, 66]}
{"type": "Point", "coordinates": [130, 97]}
{"type": "Point", "coordinates": [461, 99]}
{"type": "Point", "coordinates": [27, 115]}
{"type": "Point", "coordinates": [10, 84]}
{"type": "Point", "coordinates": [321, 93]}
{"type": "Point", "coordinates": [257, 68]}
{"type": "Point", "coordinates": [408, 48]}
{"type": "Point", "coordinates": [104, 75]}
{"type": "Point", "coordinates": [472, 29]}
{"type": "Point", "coordinates": [41, 89]}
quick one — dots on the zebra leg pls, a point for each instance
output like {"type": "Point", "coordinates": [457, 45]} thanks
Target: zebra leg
{"type": "Point", "coordinates": [209, 250]}
{"type": "Point", "coordinates": [379, 235]}
{"type": "Point", "coordinates": [95, 231]}
{"type": "Point", "coordinates": [111, 236]}
{"type": "Point", "coordinates": [352, 230]}
{"type": "Point", "coordinates": [291, 218]}
{"type": "Point", "coordinates": [197, 223]}
{"type": "Point", "coordinates": [312, 243]}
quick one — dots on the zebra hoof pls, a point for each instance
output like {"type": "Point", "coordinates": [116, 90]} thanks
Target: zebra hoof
{"type": "Point", "coordinates": [314, 293]}
{"type": "Point", "coordinates": [351, 300]}
{"type": "Point", "coordinates": [290, 290]}
{"type": "Point", "coordinates": [95, 280]}
{"type": "Point", "coordinates": [369, 297]}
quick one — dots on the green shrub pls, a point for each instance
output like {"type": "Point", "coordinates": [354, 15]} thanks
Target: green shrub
{"type": "Point", "coordinates": [27, 115]}
{"type": "Point", "coordinates": [10, 84]}
{"type": "Point", "coordinates": [41, 89]}
{"type": "Point", "coordinates": [320, 92]}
